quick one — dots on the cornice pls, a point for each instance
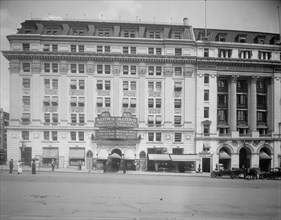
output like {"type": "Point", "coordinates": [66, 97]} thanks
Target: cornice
{"type": "Point", "coordinates": [96, 57]}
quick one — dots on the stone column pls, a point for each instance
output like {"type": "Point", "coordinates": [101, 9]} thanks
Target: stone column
{"type": "Point", "coordinates": [270, 105]}
{"type": "Point", "coordinates": [142, 91]}
{"type": "Point", "coordinates": [253, 106]}
{"type": "Point", "coordinates": [233, 107]}
{"type": "Point", "coordinates": [116, 105]}
{"type": "Point", "coordinates": [64, 89]}
{"type": "Point", "coordinates": [168, 87]}
{"type": "Point", "coordinates": [36, 100]}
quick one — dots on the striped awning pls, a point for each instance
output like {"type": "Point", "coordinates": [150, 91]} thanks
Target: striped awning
{"type": "Point", "coordinates": [77, 153]}
{"type": "Point", "coordinates": [264, 156]}
{"type": "Point", "coordinates": [159, 157]}
{"type": "Point", "coordinates": [224, 155]}
{"type": "Point", "coordinates": [184, 157]}
{"type": "Point", "coordinates": [49, 152]}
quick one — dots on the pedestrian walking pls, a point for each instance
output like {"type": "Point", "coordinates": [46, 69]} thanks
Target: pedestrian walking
{"type": "Point", "coordinates": [33, 167]}
{"type": "Point", "coordinates": [53, 165]}
{"type": "Point", "coordinates": [11, 165]}
{"type": "Point", "coordinates": [19, 164]}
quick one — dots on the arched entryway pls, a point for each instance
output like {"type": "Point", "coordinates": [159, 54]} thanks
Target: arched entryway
{"type": "Point", "coordinates": [225, 158]}
{"type": "Point", "coordinates": [89, 162]}
{"type": "Point", "coordinates": [265, 159]}
{"type": "Point", "coordinates": [245, 157]}
{"type": "Point", "coordinates": [114, 160]}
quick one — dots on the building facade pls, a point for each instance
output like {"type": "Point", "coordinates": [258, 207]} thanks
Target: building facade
{"type": "Point", "coordinates": [4, 123]}
{"type": "Point", "coordinates": [145, 96]}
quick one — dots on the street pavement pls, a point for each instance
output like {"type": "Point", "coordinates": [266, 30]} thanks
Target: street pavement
{"type": "Point", "coordinates": [82, 195]}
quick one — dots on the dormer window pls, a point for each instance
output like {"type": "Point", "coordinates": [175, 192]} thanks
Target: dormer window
{"type": "Point", "coordinates": [177, 35]}
{"type": "Point", "coordinates": [79, 31]}
{"type": "Point", "coordinates": [221, 37]}
{"type": "Point", "coordinates": [260, 39]}
{"type": "Point", "coordinates": [201, 36]}
{"type": "Point", "coordinates": [104, 33]}
{"type": "Point", "coordinates": [130, 33]}
{"type": "Point", "coordinates": [154, 34]}
{"type": "Point", "coordinates": [241, 38]}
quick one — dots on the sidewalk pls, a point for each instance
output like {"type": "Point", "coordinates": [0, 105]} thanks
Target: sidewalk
{"type": "Point", "coordinates": [5, 169]}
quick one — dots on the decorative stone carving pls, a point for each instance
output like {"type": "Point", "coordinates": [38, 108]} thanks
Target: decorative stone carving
{"type": "Point", "coordinates": [154, 94]}
{"type": "Point", "coordinates": [234, 78]}
{"type": "Point", "coordinates": [103, 93]}
{"type": "Point", "coordinates": [168, 70]}
{"type": "Point", "coordinates": [77, 109]}
{"type": "Point", "coordinates": [90, 69]}
{"type": "Point", "coordinates": [51, 92]}
{"type": "Point", "coordinates": [277, 76]}
{"type": "Point", "coordinates": [36, 68]}
{"type": "Point", "coordinates": [187, 72]}
{"type": "Point", "coordinates": [142, 69]}
{"type": "Point", "coordinates": [129, 93]}
{"type": "Point", "coordinates": [254, 79]}
{"type": "Point", "coordinates": [116, 69]}
{"type": "Point", "coordinates": [77, 92]}
{"type": "Point", "coordinates": [15, 67]}
{"type": "Point", "coordinates": [63, 68]}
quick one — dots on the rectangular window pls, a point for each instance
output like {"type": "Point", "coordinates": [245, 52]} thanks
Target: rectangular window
{"type": "Point", "coordinates": [100, 69]}
{"type": "Point", "coordinates": [133, 70]}
{"type": "Point", "coordinates": [54, 135]}
{"type": "Point", "coordinates": [107, 85]}
{"type": "Point", "coordinates": [133, 85]}
{"type": "Point", "coordinates": [178, 86]}
{"type": "Point", "coordinates": [54, 47]}
{"type": "Point", "coordinates": [150, 120]}
{"type": "Point", "coordinates": [46, 100]}
{"type": "Point", "coordinates": [133, 103]}
{"type": "Point", "coordinates": [81, 135]}
{"type": "Point", "coordinates": [222, 115]}
{"type": "Point", "coordinates": [99, 84]}
{"type": "Point", "coordinates": [73, 135]}
{"type": "Point", "coordinates": [206, 112]}
{"type": "Point", "coordinates": [177, 35]}
{"type": "Point", "coordinates": [99, 49]}
{"type": "Point", "coordinates": [26, 47]}
{"type": "Point", "coordinates": [73, 84]}
{"type": "Point", "coordinates": [107, 49]}
{"type": "Point", "coordinates": [47, 118]}
{"type": "Point", "coordinates": [158, 86]}
{"type": "Point", "coordinates": [150, 86]}
{"type": "Point", "coordinates": [178, 137]}
{"type": "Point", "coordinates": [151, 70]}
{"type": "Point", "coordinates": [107, 69]}
{"type": "Point", "coordinates": [47, 83]}
{"type": "Point", "coordinates": [125, 50]}
{"type": "Point", "coordinates": [242, 116]}
{"type": "Point", "coordinates": [81, 84]}
{"type": "Point", "coordinates": [26, 100]}
{"type": "Point", "coordinates": [47, 67]}
{"type": "Point", "coordinates": [25, 135]}
{"type": "Point", "coordinates": [125, 102]}
{"type": "Point", "coordinates": [206, 52]}
{"type": "Point", "coordinates": [81, 48]}
{"type": "Point", "coordinates": [73, 68]}
{"type": "Point", "coordinates": [150, 103]}
{"type": "Point", "coordinates": [125, 70]}
{"type": "Point", "coordinates": [177, 103]}
{"type": "Point", "coordinates": [26, 83]}
{"type": "Point", "coordinates": [206, 95]}
{"type": "Point", "coordinates": [99, 102]}
{"type": "Point", "coordinates": [81, 68]}
{"type": "Point", "coordinates": [55, 118]}
{"type": "Point", "coordinates": [178, 51]}
{"type": "Point", "coordinates": [55, 68]}
{"type": "Point", "coordinates": [133, 50]}
{"type": "Point", "coordinates": [73, 48]}
{"type": "Point", "coordinates": [125, 85]}
{"type": "Point", "coordinates": [55, 83]}
{"type": "Point", "coordinates": [46, 135]}
{"type": "Point", "coordinates": [206, 130]}
{"type": "Point", "coordinates": [177, 119]}
{"type": "Point", "coordinates": [158, 103]}
{"type": "Point", "coordinates": [81, 101]}
{"type": "Point", "coordinates": [158, 137]}
{"type": "Point", "coordinates": [158, 120]}
{"type": "Point", "coordinates": [222, 100]}
{"type": "Point", "coordinates": [178, 71]}
{"type": "Point", "coordinates": [26, 67]}
{"type": "Point", "coordinates": [150, 136]}
{"type": "Point", "coordinates": [73, 118]}
{"type": "Point", "coordinates": [73, 101]}
{"type": "Point", "coordinates": [261, 117]}
{"type": "Point", "coordinates": [46, 47]}
{"type": "Point", "coordinates": [107, 102]}
{"type": "Point", "coordinates": [158, 51]}
{"type": "Point", "coordinates": [151, 51]}
{"type": "Point", "coordinates": [81, 118]}
{"type": "Point", "coordinates": [158, 70]}
{"type": "Point", "coordinates": [206, 78]}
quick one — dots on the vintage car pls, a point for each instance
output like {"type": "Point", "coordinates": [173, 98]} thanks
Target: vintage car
{"type": "Point", "coordinates": [220, 171]}
{"type": "Point", "coordinates": [273, 173]}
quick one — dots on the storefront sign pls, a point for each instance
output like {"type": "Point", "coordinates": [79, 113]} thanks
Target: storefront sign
{"type": "Point", "coordinates": [116, 134]}
{"type": "Point", "coordinates": [105, 120]}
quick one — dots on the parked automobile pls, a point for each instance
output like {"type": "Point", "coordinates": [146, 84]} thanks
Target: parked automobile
{"type": "Point", "coordinates": [220, 171]}
{"type": "Point", "coordinates": [273, 173]}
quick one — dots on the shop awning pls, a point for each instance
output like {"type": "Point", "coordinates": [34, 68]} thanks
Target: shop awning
{"type": "Point", "coordinates": [77, 153]}
{"type": "Point", "coordinates": [224, 155]}
{"type": "Point", "coordinates": [129, 155]}
{"type": "Point", "coordinates": [159, 157]}
{"type": "Point", "coordinates": [50, 153]}
{"type": "Point", "coordinates": [103, 154]}
{"type": "Point", "coordinates": [264, 156]}
{"type": "Point", "coordinates": [183, 157]}
{"type": "Point", "coordinates": [115, 155]}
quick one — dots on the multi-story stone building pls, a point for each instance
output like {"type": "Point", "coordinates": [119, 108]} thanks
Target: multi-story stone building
{"type": "Point", "coordinates": [4, 123]}
{"type": "Point", "coordinates": [154, 96]}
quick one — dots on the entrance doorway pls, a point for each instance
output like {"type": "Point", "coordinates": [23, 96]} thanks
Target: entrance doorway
{"type": "Point", "coordinates": [265, 159]}
{"type": "Point", "coordinates": [114, 160]}
{"type": "Point", "coordinates": [26, 155]}
{"type": "Point", "coordinates": [244, 158]}
{"type": "Point", "coordinates": [225, 158]}
{"type": "Point", "coordinates": [89, 162]}
{"type": "Point", "coordinates": [206, 164]}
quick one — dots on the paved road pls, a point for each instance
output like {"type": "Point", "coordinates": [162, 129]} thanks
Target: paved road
{"type": "Point", "coordinates": [117, 196]}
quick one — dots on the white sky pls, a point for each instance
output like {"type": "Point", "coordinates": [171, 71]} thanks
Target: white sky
{"type": "Point", "coordinates": [250, 15]}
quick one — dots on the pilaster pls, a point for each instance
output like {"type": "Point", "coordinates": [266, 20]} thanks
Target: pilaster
{"type": "Point", "coordinates": [233, 107]}
{"type": "Point", "coordinates": [253, 106]}
{"type": "Point", "coordinates": [142, 70]}
{"type": "Point", "coordinates": [116, 69]}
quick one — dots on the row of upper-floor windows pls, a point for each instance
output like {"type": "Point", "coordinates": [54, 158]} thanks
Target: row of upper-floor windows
{"type": "Point", "coordinates": [202, 52]}
{"type": "Point", "coordinates": [80, 68]}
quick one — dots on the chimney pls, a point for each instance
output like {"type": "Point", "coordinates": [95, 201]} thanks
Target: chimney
{"type": "Point", "coordinates": [185, 21]}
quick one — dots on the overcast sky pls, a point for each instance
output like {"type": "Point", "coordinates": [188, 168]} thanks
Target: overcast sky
{"type": "Point", "coordinates": [250, 15]}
